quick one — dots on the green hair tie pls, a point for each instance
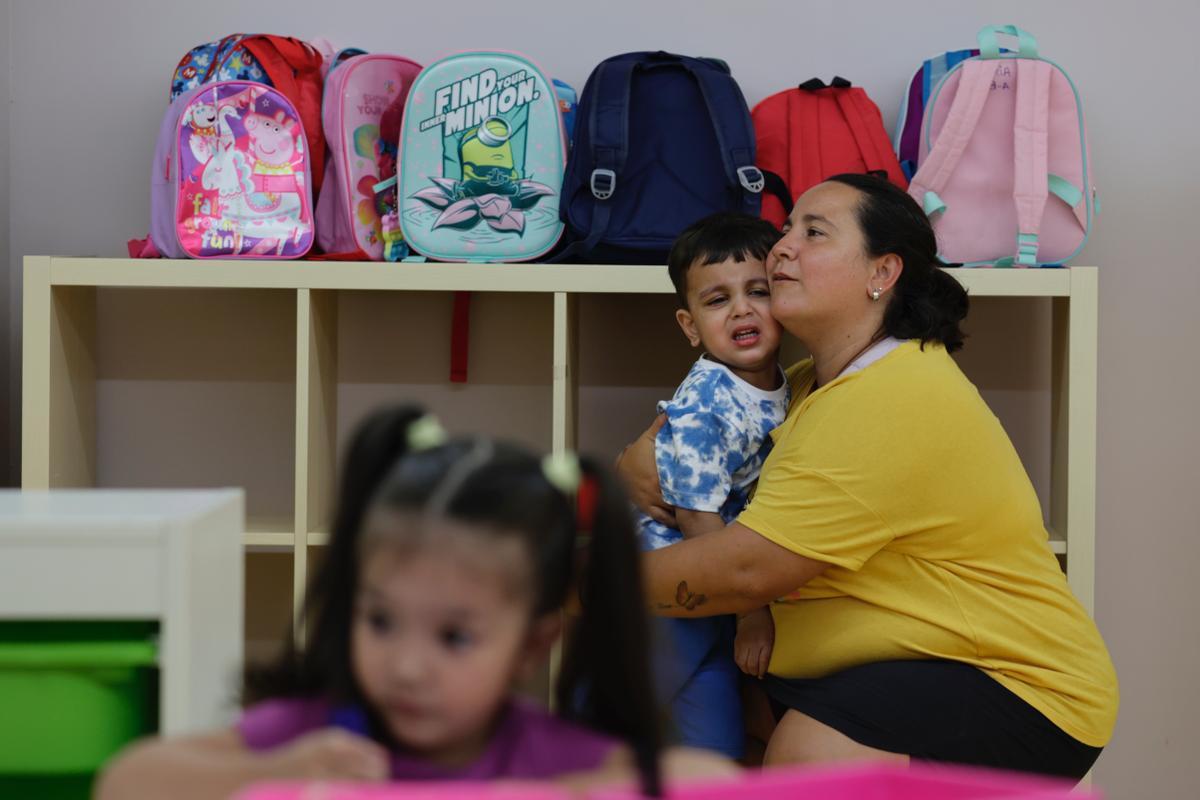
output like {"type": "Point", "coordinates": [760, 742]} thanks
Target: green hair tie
{"type": "Point", "coordinates": [562, 470]}
{"type": "Point", "coordinates": [425, 433]}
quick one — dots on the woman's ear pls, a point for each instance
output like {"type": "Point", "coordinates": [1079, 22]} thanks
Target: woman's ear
{"type": "Point", "coordinates": [688, 326]}
{"type": "Point", "coordinates": [886, 272]}
{"type": "Point", "coordinates": [543, 633]}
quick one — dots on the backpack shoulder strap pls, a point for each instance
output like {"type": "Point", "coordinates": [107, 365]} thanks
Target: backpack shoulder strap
{"type": "Point", "coordinates": [735, 137]}
{"type": "Point", "coordinates": [608, 129]}
{"type": "Point", "coordinates": [872, 143]}
{"type": "Point", "coordinates": [956, 133]}
{"type": "Point", "coordinates": [1031, 129]}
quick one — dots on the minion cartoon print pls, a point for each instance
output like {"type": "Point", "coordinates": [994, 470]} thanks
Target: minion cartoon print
{"type": "Point", "coordinates": [486, 187]}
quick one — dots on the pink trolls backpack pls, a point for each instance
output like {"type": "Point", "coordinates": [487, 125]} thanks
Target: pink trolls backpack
{"type": "Point", "coordinates": [1005, 175]}
{"type": "Point", "coordinates": [231, 176]}
{"type": "Point", "coordinates": [357, 93]}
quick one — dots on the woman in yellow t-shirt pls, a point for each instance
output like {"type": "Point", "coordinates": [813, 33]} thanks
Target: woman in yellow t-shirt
{"type": "Point", "coordinates": [918, 610]}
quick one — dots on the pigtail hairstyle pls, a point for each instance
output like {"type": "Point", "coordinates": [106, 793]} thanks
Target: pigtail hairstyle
{"type": "Point", "coordinates": [926, 303]}
{"type": "Point", "coordinates": [605, 677]}
{"type": "Point", "coordinates": [322, 664]}
{"type": "Point", "coordinates": [500, 490]}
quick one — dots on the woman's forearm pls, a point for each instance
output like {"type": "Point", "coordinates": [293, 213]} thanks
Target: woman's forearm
{"type": "Point", "coordinates": [724, 572]}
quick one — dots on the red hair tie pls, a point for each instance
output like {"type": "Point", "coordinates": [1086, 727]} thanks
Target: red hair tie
{"type": "Point", "coordinates": [586, 499]}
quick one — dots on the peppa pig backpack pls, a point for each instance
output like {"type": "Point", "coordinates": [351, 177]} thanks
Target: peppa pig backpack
{"type": "Point", "coordinates": [231, 176]}
{"type": "Point", "coordinates": [358, 92]}
{"type": "Point", "coordinates": [482, 153]}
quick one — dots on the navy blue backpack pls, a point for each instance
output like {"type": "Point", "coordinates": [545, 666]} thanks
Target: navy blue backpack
{"type": "Point", "coordinates": [661, 140]}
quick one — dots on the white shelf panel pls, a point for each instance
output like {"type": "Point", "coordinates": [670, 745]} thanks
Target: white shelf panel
{"type": "Point", "coordinates": [269, 539]}
{"type": "Point", "coordinates": [354, 275]}
{"type": "Point", "coordinates": [1058, 543]}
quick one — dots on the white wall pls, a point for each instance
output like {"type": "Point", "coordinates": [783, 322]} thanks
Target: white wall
{"type": "Point", "coordinates": [87, 83]}
{"type": "Point", "coordinates": [9, 295]}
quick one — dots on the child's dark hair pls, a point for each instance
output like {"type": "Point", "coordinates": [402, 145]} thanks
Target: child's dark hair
{"type": "Point", "coordinates": [604, 681]}
{"type": "Point", "coordinates": [927, 303]}
{"type": "Point", "coordinates": [716, 238]}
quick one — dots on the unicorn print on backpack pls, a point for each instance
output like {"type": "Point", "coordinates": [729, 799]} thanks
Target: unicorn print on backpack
{"type": "Point", "coordinates": [233, 176]}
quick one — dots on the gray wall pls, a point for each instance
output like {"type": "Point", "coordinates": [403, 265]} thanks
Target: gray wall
{"type": "Point", "coordinates": [87, 83]}
{"type": "Point", "coordinates": [9, 293]}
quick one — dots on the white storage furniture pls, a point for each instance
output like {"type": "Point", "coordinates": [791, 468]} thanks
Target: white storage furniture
{"type": "Point", "coordinates": [171, 557]}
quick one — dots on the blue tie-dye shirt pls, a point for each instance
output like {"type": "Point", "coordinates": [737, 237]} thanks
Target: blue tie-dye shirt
{"type": "Point", "coordinates": [713, 445]}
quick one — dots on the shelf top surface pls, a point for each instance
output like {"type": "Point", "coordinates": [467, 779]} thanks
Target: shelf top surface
{"type": "Point", "coordinates": [536, 278]}
{"type": "Point", "coordinates": [19, 508]}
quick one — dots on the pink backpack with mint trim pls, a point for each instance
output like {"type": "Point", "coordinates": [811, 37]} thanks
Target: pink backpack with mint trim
{"type": "Point", "coordinates": [1005, 173]}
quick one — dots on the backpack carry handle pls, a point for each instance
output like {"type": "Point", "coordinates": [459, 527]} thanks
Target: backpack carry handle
{"type": "Point", "coordinates": [816, 84]}
{"type": "Point", "coordinates": [989, 47]}
{"type": "Point", "coordinates": [215, 62]}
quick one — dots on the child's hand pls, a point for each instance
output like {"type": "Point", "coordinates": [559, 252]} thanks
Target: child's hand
{"type": "Point", "coordinates": [333, 754]}
{"type": "Point", "coordinates": [754, 641]}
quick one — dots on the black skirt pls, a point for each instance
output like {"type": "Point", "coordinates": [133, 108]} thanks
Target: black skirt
{"type": "Point", "coordinates": [935, 711]}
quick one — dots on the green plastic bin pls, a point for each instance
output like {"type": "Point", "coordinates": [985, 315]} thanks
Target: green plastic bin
{"type": "Point", "coordinates": [73, 694]}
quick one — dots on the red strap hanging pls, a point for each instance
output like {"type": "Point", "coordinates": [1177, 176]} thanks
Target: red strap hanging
{"type": "Point", "coordinates": [460, 337]}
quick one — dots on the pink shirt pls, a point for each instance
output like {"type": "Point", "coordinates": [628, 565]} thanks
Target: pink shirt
{"type": "Point", "coordinates": [529, 743]}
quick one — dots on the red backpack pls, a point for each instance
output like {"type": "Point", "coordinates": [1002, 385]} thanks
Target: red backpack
{"type": "Point", "coordinates": [810, 133]}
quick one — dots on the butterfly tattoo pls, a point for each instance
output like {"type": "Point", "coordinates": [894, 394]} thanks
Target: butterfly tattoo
{"type": "Point", "coordinates": [684, 598]}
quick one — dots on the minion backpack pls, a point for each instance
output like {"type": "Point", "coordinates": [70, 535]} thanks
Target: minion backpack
{"type": "Point", "coordinates": [482, 155]}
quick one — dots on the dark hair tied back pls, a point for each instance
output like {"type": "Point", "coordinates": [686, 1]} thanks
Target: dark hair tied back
{"type": "Point", "coordinates": [926, 303]}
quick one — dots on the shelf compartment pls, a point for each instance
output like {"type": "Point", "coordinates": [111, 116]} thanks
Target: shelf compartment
{"type": "Point", "coordinates": [219, 364]}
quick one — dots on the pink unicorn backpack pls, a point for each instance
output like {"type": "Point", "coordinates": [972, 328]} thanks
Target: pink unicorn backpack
{"type": "Point", "coordinates": [1005, 174]}
{"type": "Point", "coordinates": [231, 176]}
{"type": "Point", "coordinates": [358, 91]}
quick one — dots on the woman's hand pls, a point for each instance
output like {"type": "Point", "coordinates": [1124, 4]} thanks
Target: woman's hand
{"type": "Point", "coordinates": [639, 473]}
{"type": "Point", "coordinates": [332, 754]}
{"type": "Point", "coordinates": [754, 642]}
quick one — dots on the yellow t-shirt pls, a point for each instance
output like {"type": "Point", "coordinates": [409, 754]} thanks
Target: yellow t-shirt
{"type": "Point", "coordinates": [902, 479]}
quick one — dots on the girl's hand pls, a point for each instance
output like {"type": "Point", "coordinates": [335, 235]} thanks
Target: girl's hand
{"type": "Point", "coordinates": [639, 473]}
{"type": "Point", "coordinates": [332, 754]}
{"type": "Point", "coordinates": [754, 642]}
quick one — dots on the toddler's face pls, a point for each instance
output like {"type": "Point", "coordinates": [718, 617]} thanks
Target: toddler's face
{"type": "Point", "coordinates": [729, 314]}
{"type": "Point", "coordinates": [439, 635]}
